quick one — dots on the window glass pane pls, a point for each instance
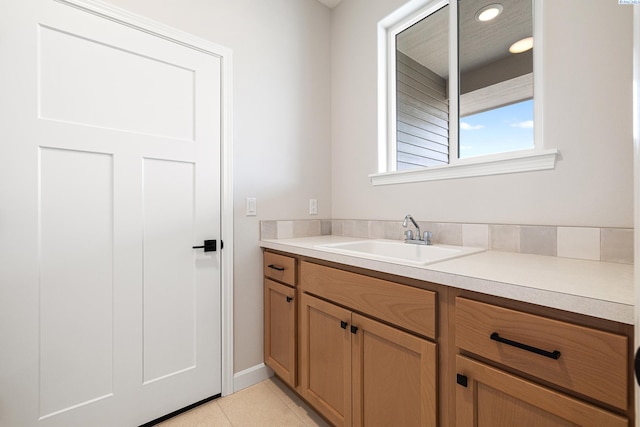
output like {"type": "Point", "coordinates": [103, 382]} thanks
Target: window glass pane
{"type": "Point", "coordinates": [422, 95]}
{"type": "Point", "coordinates": [498, 130]}
{"type": "Point", "coordinates": [496, 80]}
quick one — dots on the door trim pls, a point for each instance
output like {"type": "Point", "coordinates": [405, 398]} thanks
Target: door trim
{"type": "Point", "coordinates": [636, 174]}
{"type": "Point", "coordinates": [166, 32]}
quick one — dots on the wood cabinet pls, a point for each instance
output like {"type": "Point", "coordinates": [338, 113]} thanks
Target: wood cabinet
{"type": "Point", "coordinates": [359, 371]}
{"type": "Point", "coordinates": [369, 349]}
{"type": "Point", "coordinates": [280, 331]}
{"type": "Point", "coordinates": [569, 357]}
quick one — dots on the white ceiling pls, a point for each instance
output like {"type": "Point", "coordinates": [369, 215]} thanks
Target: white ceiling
{"type": "Point", "coordinates": [330, 3]}
{"type": "Point", "coordinates": [480, 42]}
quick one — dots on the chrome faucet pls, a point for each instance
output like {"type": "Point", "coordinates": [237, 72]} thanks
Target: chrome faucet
{"type": "Point", "coordinates": [409, 233]}
{"type": "Point", "coordinates": [418, 239]}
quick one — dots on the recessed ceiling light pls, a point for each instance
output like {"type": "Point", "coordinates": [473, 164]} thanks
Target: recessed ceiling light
{"type": "Point", "coordinates": [522, 45]}
{"type": "Point", "coordinates": [489, 12]}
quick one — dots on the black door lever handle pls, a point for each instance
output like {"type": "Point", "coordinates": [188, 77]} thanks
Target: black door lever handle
{"type": "Point", "coordinates": [209, 246]}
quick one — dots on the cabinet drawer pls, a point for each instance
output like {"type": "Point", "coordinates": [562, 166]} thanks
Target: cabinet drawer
{"type": "Point", "coordinates": [405, 306]}
{"type": "Point", "coordinates": [588, 361]}
{"type": "Point", "coordinates": [280, 267]}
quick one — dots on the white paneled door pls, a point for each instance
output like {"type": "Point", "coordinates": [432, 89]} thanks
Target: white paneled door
{"type": "Point", "coordinates": [109, 175]}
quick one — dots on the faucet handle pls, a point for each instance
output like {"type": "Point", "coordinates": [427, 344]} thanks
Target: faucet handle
{"type": "Point", "coordinates": [427, 237]}
{"type": "Point", "coordinates": [408, 235]}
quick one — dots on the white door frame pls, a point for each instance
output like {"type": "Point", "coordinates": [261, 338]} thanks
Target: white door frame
{"type": "Point", "coordinates": [636, 191]}
{"type": "Point", "coordinates": [154, 28]}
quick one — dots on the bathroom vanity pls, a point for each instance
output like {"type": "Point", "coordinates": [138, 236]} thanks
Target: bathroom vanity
{"type": "Point", "coordinates": [486, 339]}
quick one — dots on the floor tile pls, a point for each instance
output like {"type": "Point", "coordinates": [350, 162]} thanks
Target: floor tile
{"type": "Point", "coordinates": [258, 406]}
{"type": "Point", "coordinates": [297, 405]}
{"type": "Point", "coordinates": [267, 404]}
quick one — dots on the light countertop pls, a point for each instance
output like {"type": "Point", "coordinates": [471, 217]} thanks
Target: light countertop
{"type": "Point", "coordinates": [594, 288]}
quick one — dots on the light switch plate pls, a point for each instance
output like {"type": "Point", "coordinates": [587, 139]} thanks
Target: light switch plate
{"type": "Point", "coordinates": [251, 206]}
{"type": "Point", "coordinates": [313, 207]}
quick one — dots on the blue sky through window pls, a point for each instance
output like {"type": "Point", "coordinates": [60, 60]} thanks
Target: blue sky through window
{"type": "Point", "coordinates": [499, 130]}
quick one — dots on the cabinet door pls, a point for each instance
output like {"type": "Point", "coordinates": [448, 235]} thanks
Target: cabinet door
{"type": "Point", "coordinates": [394, 376]}
{"type": "Point", "coordinates": [494, 398]}
{"type": "Point", "coordinates": [279, 330]}
{"type": "Point", "coordinates": [326, 359]}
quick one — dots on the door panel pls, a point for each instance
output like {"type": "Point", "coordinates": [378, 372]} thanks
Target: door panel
{"type": "Point", "coordinates": [496, 408]}
{"type": "Point", "coordinates": [394, 375]}
{"type": "Point", "coordinates": [495, 398]}
{"type": "Point", "coordinates": [99, 75]}
{"type": "Point", "coordinates": [169, 201]}
{"type": "Point", "coordinates": [280, 330]}
{"type": "Point", "coordinates": [75, 269]}
{"type": "Point", "coordinates": [326, 358]}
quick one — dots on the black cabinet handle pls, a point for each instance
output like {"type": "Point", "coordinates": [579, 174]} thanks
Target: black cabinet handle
{"type": "Point", "coordinates": [354, 329]}
{"type": "Point", "coordinates": [551, 354]}
{"type": "Point", "coordinates": [275, 267]}
{"type": "Point", "coordinates": [462, 380]}
{"type": "Point", "coordinates": [343, 324]}
{"type": "Point", "coordinates": [289, 299]}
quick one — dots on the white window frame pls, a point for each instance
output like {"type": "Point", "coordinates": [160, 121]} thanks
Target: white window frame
{"type": "Point", "coordinates": [534, 159]}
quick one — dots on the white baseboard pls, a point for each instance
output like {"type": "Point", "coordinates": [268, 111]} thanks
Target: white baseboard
{"type": "Point", "coordinates": [251, 376]}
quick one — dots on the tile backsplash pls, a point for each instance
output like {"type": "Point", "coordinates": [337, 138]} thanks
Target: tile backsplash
{"type": "Point", "coordinates": [591, 243]}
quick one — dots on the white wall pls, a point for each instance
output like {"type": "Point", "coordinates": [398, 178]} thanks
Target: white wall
{"type": "Point", "coordinates": [282, 122]}
{"type": "Point", "coordinates": [587, 116]}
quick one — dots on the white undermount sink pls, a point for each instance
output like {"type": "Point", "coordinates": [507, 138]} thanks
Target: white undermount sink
{"type": "Point", "coordinates": [398, 251]}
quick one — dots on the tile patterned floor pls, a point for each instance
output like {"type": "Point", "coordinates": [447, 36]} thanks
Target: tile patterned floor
{"type": "Point", "coordinates": [265, 404]}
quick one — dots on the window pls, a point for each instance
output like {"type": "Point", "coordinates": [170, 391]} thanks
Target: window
{"type": "Point", "coordinates": [479, 119]}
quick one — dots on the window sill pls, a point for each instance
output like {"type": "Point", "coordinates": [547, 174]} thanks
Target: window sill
{"type": "Point", "coordinates": [479, 166]}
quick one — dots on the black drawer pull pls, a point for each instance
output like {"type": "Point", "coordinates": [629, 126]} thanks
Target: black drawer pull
{"type": "Point", "coordinates": [551, 354]}
{"type": "Point", "coordinates": [276, 267]}
{"type": "Point", "coordinates": [343, 324]}
{"type": "Point", "coordinates": [289, 299]}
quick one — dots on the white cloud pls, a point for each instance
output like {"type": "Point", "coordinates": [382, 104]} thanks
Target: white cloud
{"type": "Point", "coordinates": [466, 147]}
{"type": "Point", "coordinates": [467, 126]}
{"type": "Point", "coordinates": [528, 124]}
